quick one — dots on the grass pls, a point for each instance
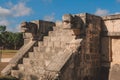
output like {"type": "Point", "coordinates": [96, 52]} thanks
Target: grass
{"type": "Point", "coordinates": [8, 51]}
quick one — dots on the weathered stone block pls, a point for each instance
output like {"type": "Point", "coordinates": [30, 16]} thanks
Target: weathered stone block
{"type": "Point", "coordinates": [57, 44]}
{"type": "Point", "coordinates": [15, 73]}
{"type": "Point", "coordinates": [21, 67]}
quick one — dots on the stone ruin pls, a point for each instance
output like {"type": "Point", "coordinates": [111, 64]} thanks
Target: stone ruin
{"type": "Point", "coordinates": [81, 47]}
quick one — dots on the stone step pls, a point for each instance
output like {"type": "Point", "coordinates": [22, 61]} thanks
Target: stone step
{"type": "Point", "coordinates": [34, 62]}
{"type": "Point", "coordinates": [53, 44]}
{"type": "Point", "coordinates": [27, 75]}
{"type": "Point", "coordinates": [26, 61]}
{"type": "Point", "coordinates": [47, 49]}
{"type": "Point", "coordinates": [35, 55]}
{"type": "Point", "coordinates": [48, 43]}
{"type": "Point", "coordinates": [40, 43]}
{"type": "Point", "coordinates": [67, 39]}
{"type": "Point", "coordinates": [51, 33]}
{"type": "Point", "coordinates": [46, 39]}
{"type": "Point", "coordinates": [47, 57]}
{"type": "Point", "coordinates": [42, 49]}
{"type": "Point", "coordinates": [62, 28]}
{"type": "Point", "coordinates": [21, 67]}
{"type": "Point", "coordinates": [57, 28]}
{"type": "Point", "coordinates": [36, 49]}
{"type": "Point", "coordinates": [31, 55]}
{"type": "Point", "coordinates": [52, 39]}
{"type": "Point", "coordinates": [15, 73]}
{"type": "Point", "coordinates": [61, 33]}
{"type": "Point", "coordinates": [62, 38]}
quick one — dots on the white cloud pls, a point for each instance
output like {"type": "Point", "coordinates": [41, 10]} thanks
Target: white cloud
{"type": "Point", "coordinates": [20, 9]}
{"type": "Point", "coordinates": [117, 12]}
{"type": "Point", "coordinates": [101, 12]}
{"type": "Point", "coordinates": [17, 10]}
{"type": "Point", "coordinates": [4, 22]}
{"type": "Point", "coordinates": [18, 28]}
{"type": "Point", "coordinates": [11, 11]}
{"type": "Point", "coordinates": [50, 17]}
{"type": "Point", "coordinates": [4, 12]}
{"type": "Point", "coordinates": [118, 0]}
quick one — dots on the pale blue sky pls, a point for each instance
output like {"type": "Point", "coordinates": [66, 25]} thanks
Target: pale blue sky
{"type": "Point", "coordinates": [13, 12]}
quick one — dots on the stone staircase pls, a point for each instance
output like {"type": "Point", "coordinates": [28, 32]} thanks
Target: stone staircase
{"type": "Point", "coordinates": [71, 51]}
{"type": "Point", "coordinates": [48, 58]}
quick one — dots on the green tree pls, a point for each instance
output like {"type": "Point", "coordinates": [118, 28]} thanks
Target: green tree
{"type": "Point", "coordinates": [10, 40]}
{"type": "Point", "coordinates": [17, 40]}
{"type": "Point", "coordinates": [2, 28]}
{"type": "Point", "coordinates": [6, 39]}
{"type": "Point", "coordinates": [1, 40]}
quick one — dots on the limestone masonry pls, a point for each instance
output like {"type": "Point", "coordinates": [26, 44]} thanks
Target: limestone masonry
{"type": "Point", "coordinates": [81, 47]}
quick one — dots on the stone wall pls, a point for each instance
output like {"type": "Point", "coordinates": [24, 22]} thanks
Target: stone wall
{"type": "Point", "coordinates": [106, 57]}
{"type": "Point", "coordinates": [85, 64]}
{"type": "Point", "coordinates": [91, 48]}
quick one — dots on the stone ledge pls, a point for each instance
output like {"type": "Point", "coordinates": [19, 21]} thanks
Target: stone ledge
{"type": "Point", "coordinates": [111, 17]}
{"type": "Point", "coordinates": [112, 34]}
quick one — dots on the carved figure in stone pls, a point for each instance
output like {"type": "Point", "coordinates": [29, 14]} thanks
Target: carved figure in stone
{"type": "Point", "coordinates": [72, 21]}
{"type": "Point", "coordinates": [67, 20]}
{"type": "Point", "coordinates": [29, 29]}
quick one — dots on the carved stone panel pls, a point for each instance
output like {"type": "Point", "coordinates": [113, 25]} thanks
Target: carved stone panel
{"type": "Point", "coordinates": [115, 64]}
